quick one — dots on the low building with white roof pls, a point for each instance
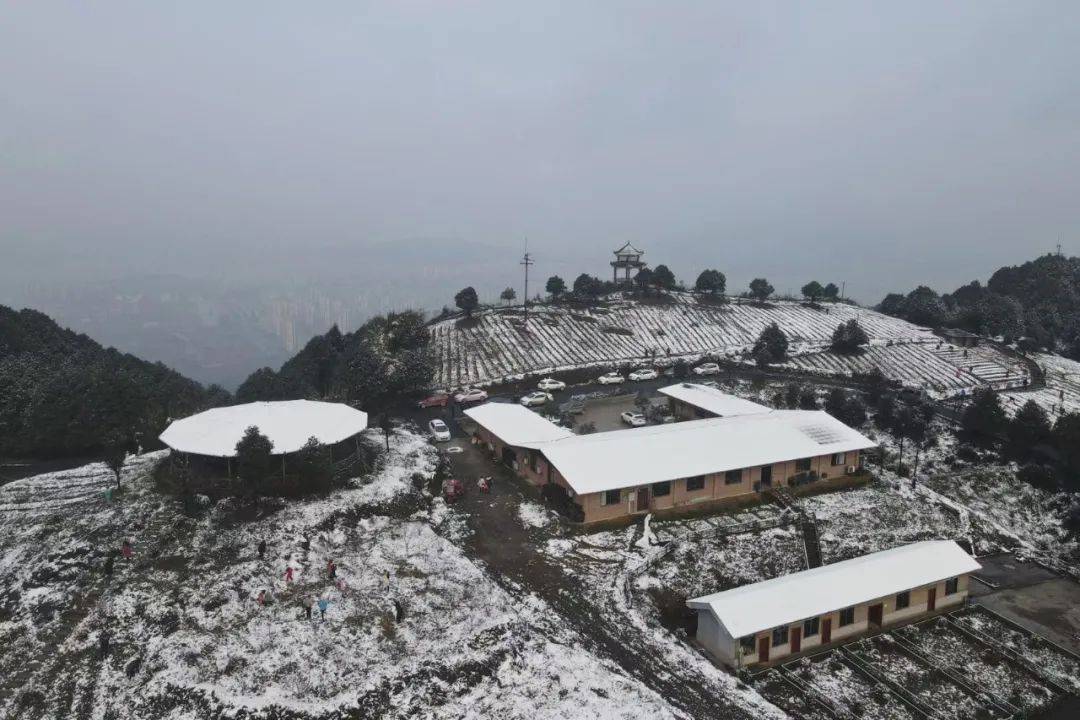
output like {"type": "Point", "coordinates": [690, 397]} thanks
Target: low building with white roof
{"type": "Point", "coordinates": [289, 424]}
{"type": "Point", "coordinates": [694, 401]}
{"type": "Point", "coordinates": [671, 467]}
{"type": "Point", "coordinates": [772, 620]}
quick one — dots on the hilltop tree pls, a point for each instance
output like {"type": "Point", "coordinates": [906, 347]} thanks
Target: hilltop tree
{"type": "Point", "coordinates": [644, 279]}
{"type": "Point", "coordinates": [116, 448]}
{"type": "Point", "coordinates": [663, 278]}
{"type": "Point", "coordinates": [760, 289]}
{"type": "Point", "coordinates": [923, 306]}
{"type": "Point", "coordinates": [849, 336]}
{"type": "Point", "coordinates": [253, 456]}
{"type": "Point", "coordinates": [508, 295]}
{"type": "Point", "coordinates": [771, 345]}
{"type": "Point", "coordinates": [812, 291]}
{"type": "Point", "coordinates": [555, 286]}
{"type": "Point", "coordinates": [467, 300]}
{"type": "Point", "coordinates": [1028, 431]}
{"type": "Point", "coordinates": [831, 292]}
{"type": "Point", "coordinates": [588, 287]}
{"type": "Point", "coordinates": [983, 421]}
{"type": "Point", "coordinates": [711, 283]}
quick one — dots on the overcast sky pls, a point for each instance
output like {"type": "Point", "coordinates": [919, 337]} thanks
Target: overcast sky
{"type": "Point", "coordinates": [881, 144]}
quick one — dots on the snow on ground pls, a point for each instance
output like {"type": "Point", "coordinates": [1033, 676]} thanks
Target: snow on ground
{"type": "Point", "coordinates": [1061, 394]}
{"type": "Point", "coordinates": [494, 344]}
{"type": "Point", "coordinates": [533, 515]}
{"type": "Point", "coordinates": [189, 638]}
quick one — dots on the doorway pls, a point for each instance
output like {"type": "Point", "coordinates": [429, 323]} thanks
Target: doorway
{"type": "Point", "coordinates": [509, 457]}
{"type": "Point", "coordinates": [643, 499]}
{"type": "Point", "coordinates": [796, 640]}
{"type": "Point", "coordinates": [875, 614]}
{"type": "Point", "coordinates": [931, 599]}
{"type": "Point", "coordinates": [763, 649]}
{"type": "Point", "coordinates": [766, 476]}
{"type": "Point", "coordinates": [826, 631]}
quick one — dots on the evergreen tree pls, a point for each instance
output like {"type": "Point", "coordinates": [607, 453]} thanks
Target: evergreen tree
{"type": "Point", "coordinates": [771, 345]}
{"type": "Point", "coordinates": [849, 337]}
{"type": "Point", "coordinates": [983, 420]}
{"type": "Point", "coordinates": [663, 278]}
{"type": "Point", "coordinates": [812, 291]}
{"type": "Point", "coordinates": [644, 280]}
{"type": "Point", "coordinates": [508, 295]}
{"type": "Point", "coordinates": [760, 289]}
{"type": "Point", "coordinates": [555, 286]}
{"type": "Point", "coordinates": [116, 449]}
{"type": "Point", "coordinates": [254, 457]}
{"type": "Point", "coordinates": [314, 466]}
{"type": "Point", "coordinates": [1028, 431]}
{"type": "Point", "coordinates": [831, 292]}
{"type": "Point", "coordinates": [467, 300]}
{"type": "Point", "coordinates": [711, 283]}
{"type": "Point", "coordinates": [588, 287]}
{"type": "Point", "coordinates": [1066, 438]}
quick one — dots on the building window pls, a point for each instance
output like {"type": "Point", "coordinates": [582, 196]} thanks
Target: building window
{"type": "Point", "coordinates": [838, 459]}
{"type": "Point", "coordinates": [534, 461]}
{"type": "Point", "coordinates": [779, 636]}
{"type": "Point", "coordinates": [903, 600]}
{"type": "Point", "coordinates": [748, 644]}
{"type": "Point", "coordinates": [803, 465]}
{"type": "Point", "coordinates": [952, 586]}
{"type": "Point", "coordinates": [810, 627]}
{"type": "Point", "coordinates": [847, 616]}
{"type": "Point", "coordinates": [733, 477]}
{"type": "Point", "coordinates": [612, 497]}
{"type": "Point", "coordinates": [661, 489]}
{"type": "Point", "coordinates": [695, 483]}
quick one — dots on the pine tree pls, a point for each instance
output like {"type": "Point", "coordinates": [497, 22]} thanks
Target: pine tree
{"type": "Point", "coordinates": [467, 300]}
{"type": "Point", "coordinates": [555, 286]}
{"type": "Point", "coordinates": [760, 289]}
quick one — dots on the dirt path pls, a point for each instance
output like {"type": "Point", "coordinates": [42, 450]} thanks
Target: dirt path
{"type": "Point", "coordinates": [501, 542]}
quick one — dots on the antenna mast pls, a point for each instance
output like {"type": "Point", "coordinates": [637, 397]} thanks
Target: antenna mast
{"type": "Point", "coordinates": [527, 262]}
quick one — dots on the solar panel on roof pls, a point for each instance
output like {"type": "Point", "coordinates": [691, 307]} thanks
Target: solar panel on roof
{"type": "Point", "coordinates": [821, 434]}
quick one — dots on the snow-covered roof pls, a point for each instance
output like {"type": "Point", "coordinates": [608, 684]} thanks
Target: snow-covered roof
{"type": "Point", "coordinates": [288, 423]}
{"type": "Point", "coordinates": [629, 249]}
{"type": "Point", "coordinates": [712, 400]}
{"type": "Point", "coordinates": [627, 458]}
{"type": "Point", "coordinates": [760, 606]}
{"type": "Point", "coordinates": [517, 425]}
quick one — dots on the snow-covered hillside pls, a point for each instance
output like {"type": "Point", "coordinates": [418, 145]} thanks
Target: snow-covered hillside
{"type": "Point", "coordinates": [495, 343]}
{"type": "Point", "coordinates": [1061, 394]}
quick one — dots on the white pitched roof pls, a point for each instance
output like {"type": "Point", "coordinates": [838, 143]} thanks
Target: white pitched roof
{"type": "Point", "coordinates": [712, 400]}
{"type": "Point", "coordinates": [517, 425]}
{"type": "Point", "coordinates": [760, 606]}
{"type": "Point", "coordinates": [627, 458]}
{"type": "Point", "coordinates": [288, 423]}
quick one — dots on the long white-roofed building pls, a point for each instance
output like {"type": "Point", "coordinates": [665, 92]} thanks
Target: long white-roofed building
{"type": "Point", "coordinates": [673, 467]}
{"type": "Point", "coordinates": [772, 620]}
{"type": "Point", "coordinates": [289, 424]}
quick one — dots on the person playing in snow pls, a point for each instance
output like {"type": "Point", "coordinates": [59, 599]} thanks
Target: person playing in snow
{"type": "Point", "coordinates": [103, 643]}
{"type": "Point", "coordinates": [323, 604]}
{"type": "Point", "coordinates": [306, 544]}
{"type": "Point", "coordinates": [483, 483]}
{"type": "Point", "coordinates": [307, 608]}
{"type": "Point", "coordinates": [331, 569]}
{"type": "Point", "coordinates": [288, 574]}
{"type": "Point", "coordinates": [125, 549]}
{"type": "Point", "coordinates": [399, 611]}
{"type": "Point", "coordinates": [262, 598]}
{"type": "Point", "coordinates": [261, 548]}
{"type": "Point", "coordinates": [109, 564]}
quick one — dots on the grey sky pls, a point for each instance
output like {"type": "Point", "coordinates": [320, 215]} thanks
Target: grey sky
{"type": "Point", "coordinates": [881, 145]}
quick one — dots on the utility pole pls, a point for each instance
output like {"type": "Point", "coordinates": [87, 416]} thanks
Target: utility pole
{"type": "Point", "coordinates": [1059, 249]}
{"type": "Point", "coordinates": [843, 288]}
{"type": "Point", "coordinates": [527, 262]}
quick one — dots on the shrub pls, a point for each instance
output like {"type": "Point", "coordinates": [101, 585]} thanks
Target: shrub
{"type": "Point", "coordinates": [1040, 476]}
{"type": "Point", "coordinates": [849, 337]}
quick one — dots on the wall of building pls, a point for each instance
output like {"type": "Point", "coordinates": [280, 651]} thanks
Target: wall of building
{"type": "Point", "coordinates": [890, 616]}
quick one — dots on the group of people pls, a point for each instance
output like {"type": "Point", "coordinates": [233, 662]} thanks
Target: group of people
{"type": "Point", "coordinates": [308, 605]}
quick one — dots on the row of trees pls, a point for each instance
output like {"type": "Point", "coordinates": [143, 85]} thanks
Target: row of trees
{"type": "Point", "coordinates": [772, 343]}
{"type": "Point", "coordinates": [388, 356]}
{"type": "Point", "coordinates": [1037, 303]}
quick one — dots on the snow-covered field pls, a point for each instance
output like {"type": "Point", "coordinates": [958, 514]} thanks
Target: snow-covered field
{"type": "Point", "coordinates": [495, 344]}
{"type": "Point", "coordinates": [1061, 394]}
{"type": "Point", "coordinates": [188, 637]}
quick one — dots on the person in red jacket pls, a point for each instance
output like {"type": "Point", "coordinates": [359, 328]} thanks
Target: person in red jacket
{"type": "Point", "coordinates": [288, 574]}
{"type": "Point", "coordinates": [126, 550]}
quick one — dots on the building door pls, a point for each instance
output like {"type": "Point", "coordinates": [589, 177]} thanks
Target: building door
{"type": "Point", "coordinates": [875, 615]}
{"type": "Point", "coordinates": [826, 631]}
{"type": "Point", "coordinates": [766, 476]}
{"type": "Point", "coordinates": [763, 649]}
{"type": "Point", "coordinates": [508, 456]}
{"type": "Point", "coordinates": [643, 499]}
{"type": "Point", "coordinates": [796, 640]}
{"type": "Point", "coordinates": [931, 599]}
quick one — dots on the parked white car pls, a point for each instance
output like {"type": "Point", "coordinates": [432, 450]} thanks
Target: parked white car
{"type": "Point", "coordinates": [535, 398]}
{"type": "Point", "coordinates": [644, 374]}
{"type": "Point", "coordinates": [471, 395]}
{"type": "Point", "coordinates": [551, 384]}
{"type": "Point", "coordinates": [611, 378]}
{"type": "Point", "coordinates": [707, 369]}
{"type": "Point", "coordinates": [633, 418]}
{"type": "Point", "coordinates": [439, 430]}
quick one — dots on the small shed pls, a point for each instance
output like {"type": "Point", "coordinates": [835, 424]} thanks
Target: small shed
{"type": "Point", "coordinates": [960, 338]}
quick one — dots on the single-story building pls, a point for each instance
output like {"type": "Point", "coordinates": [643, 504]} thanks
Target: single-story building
{"type": "Point", "coordinates": [615, 474]}
{"type": "Point", "coordinates": [210, 437]}
{"type": "Point", "coordinates": [960, 338]}
{"type": "Point", "coordinates": [772, 620]}
{"type": "Point", "coordinates": [693, 401]}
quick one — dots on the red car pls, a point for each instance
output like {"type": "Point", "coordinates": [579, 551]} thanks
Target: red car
{"type": "Point", "coordinates": [439, 398]}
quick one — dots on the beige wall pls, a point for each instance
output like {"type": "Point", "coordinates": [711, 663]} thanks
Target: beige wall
{"type": "Point", "coordinates": [890, 616]}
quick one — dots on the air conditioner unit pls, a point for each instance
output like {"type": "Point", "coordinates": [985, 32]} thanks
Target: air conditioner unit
{"type": "Point", "coordinates": [850, 469]}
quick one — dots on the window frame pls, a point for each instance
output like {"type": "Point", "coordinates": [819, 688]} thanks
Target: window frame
{"type": "Point", "coordinates": [698, 480]}
{"type": "Point", "coordinates": [783, 632]}
{"type": "Point", "coordinates": [816, 627]}
{"type": "Point", "coordinates": [903, 600]}
{"type": "Point", "coordinates": [955, 582]}
{"type": "Point", "coordinates": [804, 464]}
{"type": "Point", "coordinates": [848, 612]}
{"type": "Point", "coordinates": [661, 489]}
{"type": "Point", "coordinates": [843, 459]}
{"type": "Point", "coordinates": [748, 644]}
{"type": "Point", "coordinates": [737, 474]}
{"type": "Point", "coordinates": [606, 497]}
